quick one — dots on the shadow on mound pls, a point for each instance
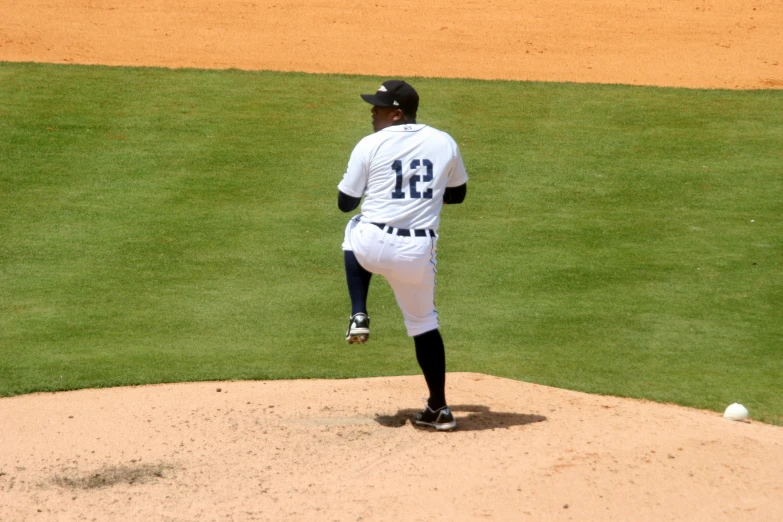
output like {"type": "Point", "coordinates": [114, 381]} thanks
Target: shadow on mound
{"type": "Point", "coordinates": [477, 418]}
{"type": "Point", "coordinates": [113, 475]}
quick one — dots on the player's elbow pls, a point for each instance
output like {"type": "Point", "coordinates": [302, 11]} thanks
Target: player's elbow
{"type": "Point", "coordinates": [455, 195]}
{"type": "Point", "coordinates": [347, 203]}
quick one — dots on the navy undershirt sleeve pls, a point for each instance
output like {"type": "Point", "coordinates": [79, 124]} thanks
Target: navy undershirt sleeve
{"type": "Point", "coordinates": [347, 203]}
{"type": "Point", "coordinates": [455, 195]}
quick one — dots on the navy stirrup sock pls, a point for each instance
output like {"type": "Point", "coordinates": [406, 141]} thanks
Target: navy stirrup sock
{"type": "Point", "coordinates": [358, 283]}
{"type": "Point", "coordinates": [431, 355]}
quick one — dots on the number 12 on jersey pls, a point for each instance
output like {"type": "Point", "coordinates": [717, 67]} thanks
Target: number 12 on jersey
{"type": "Point", "coordinates": [399, 193]}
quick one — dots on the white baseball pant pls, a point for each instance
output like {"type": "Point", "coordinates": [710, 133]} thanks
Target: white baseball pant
{"type": "Point", "coordinates": [407, 263]}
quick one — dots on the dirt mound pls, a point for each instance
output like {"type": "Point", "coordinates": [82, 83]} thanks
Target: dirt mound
{"type": "Point", "coordinates": [346, 450]}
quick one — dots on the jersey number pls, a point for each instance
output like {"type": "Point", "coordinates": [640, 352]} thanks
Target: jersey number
{"type": "Point", "coordinates": [399, 193]}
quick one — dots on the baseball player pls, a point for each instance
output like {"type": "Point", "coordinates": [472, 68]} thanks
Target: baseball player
{"type": "Point", "coordinates": [405, 171]}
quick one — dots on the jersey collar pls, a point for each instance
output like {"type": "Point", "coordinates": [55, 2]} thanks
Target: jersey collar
{"type": "Point", "coordinates": [408, 127]}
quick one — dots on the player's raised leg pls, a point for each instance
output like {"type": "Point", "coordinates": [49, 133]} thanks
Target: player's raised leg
{"type": "Point", "coordinates": [358, 280]}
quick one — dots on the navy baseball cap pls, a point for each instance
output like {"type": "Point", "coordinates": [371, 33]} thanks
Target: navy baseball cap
{"type": "Point", "coordinates": [395, 93]}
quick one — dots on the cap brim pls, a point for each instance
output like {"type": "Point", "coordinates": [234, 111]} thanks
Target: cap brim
{"type": "Point", "coordinates": [373, 100]}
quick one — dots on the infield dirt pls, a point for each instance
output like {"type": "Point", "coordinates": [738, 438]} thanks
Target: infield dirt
{"type": "Point", "coordinates": [346, 450]}
{"type": "Point", "coordinates": [687, 43]}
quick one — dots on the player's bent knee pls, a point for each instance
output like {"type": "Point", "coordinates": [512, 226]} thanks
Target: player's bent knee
{"type": "Point", "coordinates": [421, 325]}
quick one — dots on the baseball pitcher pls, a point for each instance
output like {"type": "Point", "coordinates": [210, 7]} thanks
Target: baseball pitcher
{"type": "Point", "coordinates": [405, 171]}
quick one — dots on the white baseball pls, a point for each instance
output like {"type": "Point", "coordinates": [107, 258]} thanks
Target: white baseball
{"type": "Point", "coordinates": [736, 412]}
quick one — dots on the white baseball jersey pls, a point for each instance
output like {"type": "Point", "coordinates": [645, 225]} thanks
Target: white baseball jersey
{"type": "Point", "coordinates": [403, 171]}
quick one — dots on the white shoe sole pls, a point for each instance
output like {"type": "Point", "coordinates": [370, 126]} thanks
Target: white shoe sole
{"type": "Point", "coordinates": [440, 427]}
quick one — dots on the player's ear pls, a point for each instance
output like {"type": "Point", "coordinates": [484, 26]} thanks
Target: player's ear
{"type": "Point", "coordinates": [398, 115]}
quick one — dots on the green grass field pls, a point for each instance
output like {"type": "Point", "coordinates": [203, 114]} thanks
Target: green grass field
{"type": "Point", "coordinates": [176, 225]}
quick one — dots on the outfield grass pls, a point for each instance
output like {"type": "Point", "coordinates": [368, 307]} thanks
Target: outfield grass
{"type": "Point", "coordinates": [160, 225]}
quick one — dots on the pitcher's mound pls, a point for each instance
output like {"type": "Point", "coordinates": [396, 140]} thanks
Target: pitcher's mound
{"type": "Point", "coordinates": [346, 450]}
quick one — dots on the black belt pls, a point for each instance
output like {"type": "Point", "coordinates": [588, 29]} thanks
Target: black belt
{"type": "Point", "coordinates": [424, 232]}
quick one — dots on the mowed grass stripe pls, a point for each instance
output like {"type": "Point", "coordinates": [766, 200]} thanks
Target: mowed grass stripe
{"type": "Point", "coordinates": [174, 225]}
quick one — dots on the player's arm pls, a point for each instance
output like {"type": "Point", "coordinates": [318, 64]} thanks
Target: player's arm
{"type": "Point", "coordinates": [457, 185]}
{"type": "Point", "coordinates": [347, 203]}
{"type": "Point", "coordinates": [455, 195]}
{"type": "Point", "coordinates": [351, 188]}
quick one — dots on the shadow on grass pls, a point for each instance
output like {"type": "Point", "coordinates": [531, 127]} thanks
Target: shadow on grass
{"type": "Point", "coordinates": [477, 418]}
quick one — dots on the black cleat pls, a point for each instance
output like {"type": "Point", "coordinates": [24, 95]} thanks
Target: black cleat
{"type": "Point", "coordinates": [441, 419]}
{"type": "Point", "coordinates": [358, 329]}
